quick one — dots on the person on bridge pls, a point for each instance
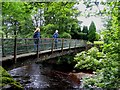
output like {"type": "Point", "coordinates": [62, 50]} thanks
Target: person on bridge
{"type": "Point", "coordinates": [36, 37]}
{"type": "Point", "coordinates": [55, 36]}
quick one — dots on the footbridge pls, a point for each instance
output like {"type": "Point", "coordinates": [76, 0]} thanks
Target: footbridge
{"type": "Point", "coordinates": [15, 50]}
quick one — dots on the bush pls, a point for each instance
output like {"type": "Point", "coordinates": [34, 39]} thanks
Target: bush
{"type": "Point", "coordinates": [97, 36]}
{"type": "Point", "coordinates": [90, 59]}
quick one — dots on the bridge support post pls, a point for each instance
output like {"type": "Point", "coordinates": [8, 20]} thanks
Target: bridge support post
{"type": "Point", "coordinates": [38, 48]}
{"type": "Point", "coordinates": [15, 49]}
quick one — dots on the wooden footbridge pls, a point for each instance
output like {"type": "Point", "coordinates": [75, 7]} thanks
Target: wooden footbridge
{"type": "Point", "coordinates": [15, 49]}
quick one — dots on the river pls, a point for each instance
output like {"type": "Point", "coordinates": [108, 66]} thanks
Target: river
{"type": "Point", "coordinates": [43, 76]}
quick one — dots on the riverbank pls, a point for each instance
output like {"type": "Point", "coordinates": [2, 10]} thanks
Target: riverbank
{"type": "Point", "coordinates": [7, 81]}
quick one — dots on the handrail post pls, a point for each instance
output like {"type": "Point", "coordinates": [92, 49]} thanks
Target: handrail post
{"type": "Point", "coordinates": [38, 48]}
{"type": "Point", "coordinates": [62, 44]}
{"type": "Point", "coordinates": [15, 49]}
{"type": "Point", "coordinates": [52, 45]}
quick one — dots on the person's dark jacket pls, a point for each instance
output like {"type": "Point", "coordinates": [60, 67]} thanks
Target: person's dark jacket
{"type": "Point", "coordinates": [36, 36]}
{"type": "Point", "coordinates": [55, 36]}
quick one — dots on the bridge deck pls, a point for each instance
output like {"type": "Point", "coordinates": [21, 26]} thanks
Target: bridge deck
{"type": "Point", "coordinates": [31, 54]}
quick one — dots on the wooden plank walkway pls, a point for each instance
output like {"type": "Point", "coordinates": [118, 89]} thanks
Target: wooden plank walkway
{"type": "Point", "coordinates": [30, 54]}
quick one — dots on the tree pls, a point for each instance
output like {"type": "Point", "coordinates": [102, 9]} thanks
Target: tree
{"type": "Point", "coordinates": [92, 32]}
{"type": "Point", "coordinates": [15, 15]}
{"type": "Point", "coordinates": [109, 75]}
{"type": "Point", "coordinates": [85, 33]}
{"type": "Point", "coordinates": [76, 33]}
{"type": "Point", "coordinates": [49, 16]}
{"type": "Point", "coordinates": [61, 16]}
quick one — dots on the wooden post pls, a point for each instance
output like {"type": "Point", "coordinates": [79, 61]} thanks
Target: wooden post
{"type": "Point", "coordinates": [15, 49]}
{"type": "Point", "coordinates": [38, 49]}
{"type": "Point", "coordinates": [15, 42]}
{"type": "Point", "coordinates": [62, 44]}
{"type": "Point", "coordinates": [52, 45]}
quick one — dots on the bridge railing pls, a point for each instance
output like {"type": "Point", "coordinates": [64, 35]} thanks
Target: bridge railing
{"type": "Point", "coordinates": [26, 45]}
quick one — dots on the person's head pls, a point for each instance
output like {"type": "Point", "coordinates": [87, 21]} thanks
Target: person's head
{"type": "Point", "coordinates": [56, 31]}
{"type": "Point", "coordinates": [37, 30]}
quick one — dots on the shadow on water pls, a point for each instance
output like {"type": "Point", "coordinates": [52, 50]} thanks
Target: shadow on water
{"type": "Point", "coordinates": [42, 76]}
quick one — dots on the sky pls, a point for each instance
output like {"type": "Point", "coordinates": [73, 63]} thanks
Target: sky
{"type": "Point", "coordinates": [96, 19]}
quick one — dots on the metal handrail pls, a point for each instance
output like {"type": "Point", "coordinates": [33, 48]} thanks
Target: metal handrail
{"type": "Point", "coordinates": [25, 45]}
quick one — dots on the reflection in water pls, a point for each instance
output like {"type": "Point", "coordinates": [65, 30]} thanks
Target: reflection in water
{"type": "Point", "coordinates": [41, 76]}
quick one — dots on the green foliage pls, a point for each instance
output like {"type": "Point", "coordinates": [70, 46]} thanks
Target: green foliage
{"type": "Point", "coordinates": [88, 42]}
{"type": "Point", "coordinates": [90, 59]}
{"type": "Point", "coordinates": [109, 75]}
{"type": "Point", "coordinates": [97, 36]}
{"type": "Point", "coordinates": [48, 15]}
{"type": "Point", "coordinates": [62, 16]}
{"type": "Point", "coordinates": [48, 30]}
{"type": "Point", "coordinates": [16, 17]}
{"type": "Point", "coordinates": [106, 77]}
{"type": "Point", "coordinates": [65, 35]}
{"type": "Point", "coordinates": [92, 32]}
{"type": "Point", "coordinates": [67, 59]}
{"type": "Point", "coordinates": [6, 79]}
{"type": "Point", "coordinates": [76, 33]}
{"type": "Point", "coordinates": [85, 31]}
{"type": "Point", "coordinates": [1, 32]}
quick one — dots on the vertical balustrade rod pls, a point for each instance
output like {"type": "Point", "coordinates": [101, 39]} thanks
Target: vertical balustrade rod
{"type": "Point", "coordinates": [75, 43]}
{"type": "Point", "coordinates": [26, 44]}
{"type": "Point", "coordinates": [43, 44]}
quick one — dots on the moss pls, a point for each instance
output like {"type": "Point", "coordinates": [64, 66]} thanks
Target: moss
{"type": "Point", "coordinates": [6, 79]}
{"type": "Point", "coordinates": [4, 73]}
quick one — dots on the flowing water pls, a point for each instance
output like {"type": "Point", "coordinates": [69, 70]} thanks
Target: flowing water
{"type": "Point", "coordinates": [41, 76]}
